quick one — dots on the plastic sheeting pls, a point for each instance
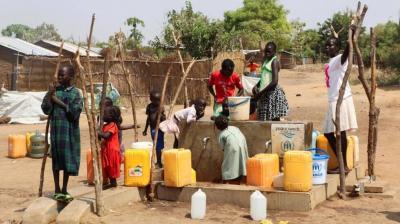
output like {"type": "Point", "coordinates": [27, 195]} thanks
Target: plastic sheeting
{"type": "Point", "coordinates": [22, 107]}
{"type": "Point", "coordinates": [248, 84]}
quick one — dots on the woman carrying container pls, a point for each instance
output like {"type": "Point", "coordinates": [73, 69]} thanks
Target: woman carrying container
{"type": "Point", "coordinates": [272, 103]}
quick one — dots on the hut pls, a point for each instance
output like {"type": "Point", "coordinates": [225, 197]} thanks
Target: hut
{"type": "Point", "coordinates": [12, 54]}
{"type": "Point", "coordinates": [68, 50]}
{"type": "Point", "coordinates": [287, 60]}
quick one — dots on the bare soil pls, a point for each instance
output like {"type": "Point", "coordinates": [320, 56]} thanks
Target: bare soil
{"type": "Point", "coordinates": [20, 177]}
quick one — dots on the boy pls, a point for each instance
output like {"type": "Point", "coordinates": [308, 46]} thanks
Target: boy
{"type": "Point", "coordinates": [253, 68]}
{"type": "Point", "coordinates": [64, 104]}
{"type": "Point", "coordinates": [225, 81]}
{"type": "Point", "coordinates": [152, 112]}
{"type": "Point", "coordinates": [335, 72]}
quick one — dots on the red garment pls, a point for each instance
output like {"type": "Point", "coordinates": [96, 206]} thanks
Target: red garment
{"type": "Point", "coordinates": [224, 86]}
{"type": "Point", "coordinates": [253, 67]}
{"type": "Point", "coordinates": [110, 154]}
{"type": "Point", "coordinates": [326, 69]}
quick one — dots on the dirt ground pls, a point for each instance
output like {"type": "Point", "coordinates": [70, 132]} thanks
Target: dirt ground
{"type": "Point", "coordinates": [20, 177]}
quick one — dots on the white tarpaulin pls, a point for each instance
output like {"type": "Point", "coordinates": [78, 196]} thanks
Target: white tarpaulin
{"type": "Point", "coordinates": [248, 84]}
{"type": "Point", "coordinates": [22, 107]}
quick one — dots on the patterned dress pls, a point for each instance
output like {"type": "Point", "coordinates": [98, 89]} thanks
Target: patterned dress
{"type": "Point", "coordinates": [273, 104]}
{"type": "Point", "coordinates": [64, 129]}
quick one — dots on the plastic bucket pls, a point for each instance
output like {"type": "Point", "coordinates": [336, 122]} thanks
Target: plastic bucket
{"type": "Point", "coordinates": [320, 165]}
{"type": "Point", "coordinates": [239, 108]}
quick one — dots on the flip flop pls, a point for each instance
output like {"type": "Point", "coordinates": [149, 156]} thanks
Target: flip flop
{"type": "Point", "coordinates": [59, 197]}
{"type": "Point", "coordinates": [68, 198]}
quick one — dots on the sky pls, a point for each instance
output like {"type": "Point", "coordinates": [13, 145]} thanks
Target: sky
{"type": "Point", "coordinates": [72, 18]}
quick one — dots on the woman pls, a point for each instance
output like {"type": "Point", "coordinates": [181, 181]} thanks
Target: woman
{"type": "Point", "coordinates": [272, 103]}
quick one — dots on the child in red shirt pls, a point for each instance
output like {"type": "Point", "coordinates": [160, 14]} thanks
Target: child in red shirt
{"type": "Point", "coordinates": [253, 68]}
{"type": "Point", "coordinates": [110, 150]}
{"type": "Point", "coordinates": [225, 81]}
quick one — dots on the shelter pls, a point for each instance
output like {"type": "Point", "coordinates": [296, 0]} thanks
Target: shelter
{"type": "Point", "coordinates": [69, 49]}
{"type": "Point", "coordinates": [12, 53]}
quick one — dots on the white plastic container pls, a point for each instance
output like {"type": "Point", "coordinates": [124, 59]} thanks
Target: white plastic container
{"type": "Point", "coordinates": [258, 206]}
{"type": "Point", "coordinates": [320, 165]}
{"type": "Point", "coordinates": [239, 108]}
{"type": "Point", "coordinates": [198, 205]}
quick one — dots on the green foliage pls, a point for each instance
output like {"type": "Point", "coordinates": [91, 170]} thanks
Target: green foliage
{"type": "Point", "coordinates": [259, 20]}
{"type": "Point", "coordinates": [339, 21]}
{"type": "Point", "coordinates": [388, 45]}
{"type": "Point", "coordinates": [196, 32]}
{"type": "Point", "coordinates": [43, 31]}
{"type": "Point", "coordinates": [135, 38]}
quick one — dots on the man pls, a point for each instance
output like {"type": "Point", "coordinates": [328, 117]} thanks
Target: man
{"type": "Point", "coordinates": [64, 105]}
{"type": "Point", "coordinates": [225, 81]}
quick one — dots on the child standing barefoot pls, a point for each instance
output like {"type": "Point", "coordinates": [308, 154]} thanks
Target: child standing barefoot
{"type": "Point", "coordinates": [110, 150]}
{"type": "Point", "coordinates": [152, 113]}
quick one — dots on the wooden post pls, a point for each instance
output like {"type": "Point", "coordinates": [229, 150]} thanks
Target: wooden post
{"type": "Point", "coordinates": [106, 76]}
{"type": "Point", "coordinates": [171, 108]}
{"type": "Point", "coordinates": [177, 44]}
{"type": "Point", "coordinates": [153, 155]}
{"type": "Point", "coordinates": [352, 38]}
{"type": "Point", "coordinates": [94, 144]}
{"type": "Point", "coordinates": [127, 75]}
{"type": "Point", "coordinates": [46, 149]}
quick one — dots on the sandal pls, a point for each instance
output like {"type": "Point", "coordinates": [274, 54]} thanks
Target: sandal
{"type": "Point", "coordinates": [68, 198]}
{"type": "Point", "coordinates": [58, 196]}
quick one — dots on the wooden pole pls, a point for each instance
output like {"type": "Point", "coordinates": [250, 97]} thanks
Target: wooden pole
{"type": "Point", "coordinates": [106, 76]}
{"type": "Point", "coordinates": [177, 44]}
{"type": "Point", "coordinates": [185, 74]}
{"type": "Point", "coordinates": [46, 136]}
{"type": "Point", "coordinates": [352, 38]}
{"type": "Point", "coordinates": [127, 75]}
{"type": "Point", "coordinates": [153, 155]}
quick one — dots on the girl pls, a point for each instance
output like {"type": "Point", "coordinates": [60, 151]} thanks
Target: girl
{"type": "Point", "coordinates": [188, 115]}
{"type": "Point", "coordinates": [272, 103]}
{"type": "Point", "coordinates": [234, 145]}
{"type": "Point", "coordinates": [110, 150]}
{"type": "Point", "coordinates": [334, 73]}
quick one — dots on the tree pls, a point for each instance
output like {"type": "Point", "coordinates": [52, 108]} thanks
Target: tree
{"type": "Point", "coordinates": [19, 31]}
{"type": "Point", "coordinates": [43, 31]}
{"type": "Point", "coordinates": [47, 32]}
{"type": "Point", "coordinates": [135, 38]}
{"type": "Point", "coordinates": [196, 32]}
{"type": "Point", "coordinates": [388, 44]}
{"type": "Point", "coordinates": [259, 20]}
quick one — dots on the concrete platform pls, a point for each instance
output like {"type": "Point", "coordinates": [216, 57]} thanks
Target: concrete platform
{"type": "Point", "coordinates": [257, 134]}
{"type": "Point", "coordinates": [240, 195]}
{"type": "Point", "coordinates": [45, 210]}
{"type": "Point", "coordinates": [113, 198]}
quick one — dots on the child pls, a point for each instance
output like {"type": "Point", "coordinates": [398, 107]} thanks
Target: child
{"type": "Point", "coordinates": [335, 72]}
{"type": "Point", "coordinates": [253, 68]}
{"type": "Point", "coordinates": [234, 145]}
{"type": "Point", "coordinates": [272, 103]}
{"type": "Point", "coordinates": [188, 115]}
{"type": "Point", "coordinates": [109, 103]}
{"type": "Point", "coordinates": [110, 150]}
{"type": "Point", "coordinates": [152, 113]}
{"type": "Point", "coordinates": [225, 81]}
{"type": "Point", "coordinates": [64, 105]}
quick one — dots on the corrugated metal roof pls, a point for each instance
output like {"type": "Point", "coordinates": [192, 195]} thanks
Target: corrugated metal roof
{"type": "Point", "coordinates": [25, 48]}
{"type": "Point", "coordinates": [72, 48]}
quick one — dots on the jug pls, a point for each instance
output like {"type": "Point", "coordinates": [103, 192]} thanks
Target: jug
{"type": "Point", "coordinates": [198, 205]}
{"type": "Point", "coordinates": [258, 206]}
{"type": "Point", "coordinates": [38, 145]}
